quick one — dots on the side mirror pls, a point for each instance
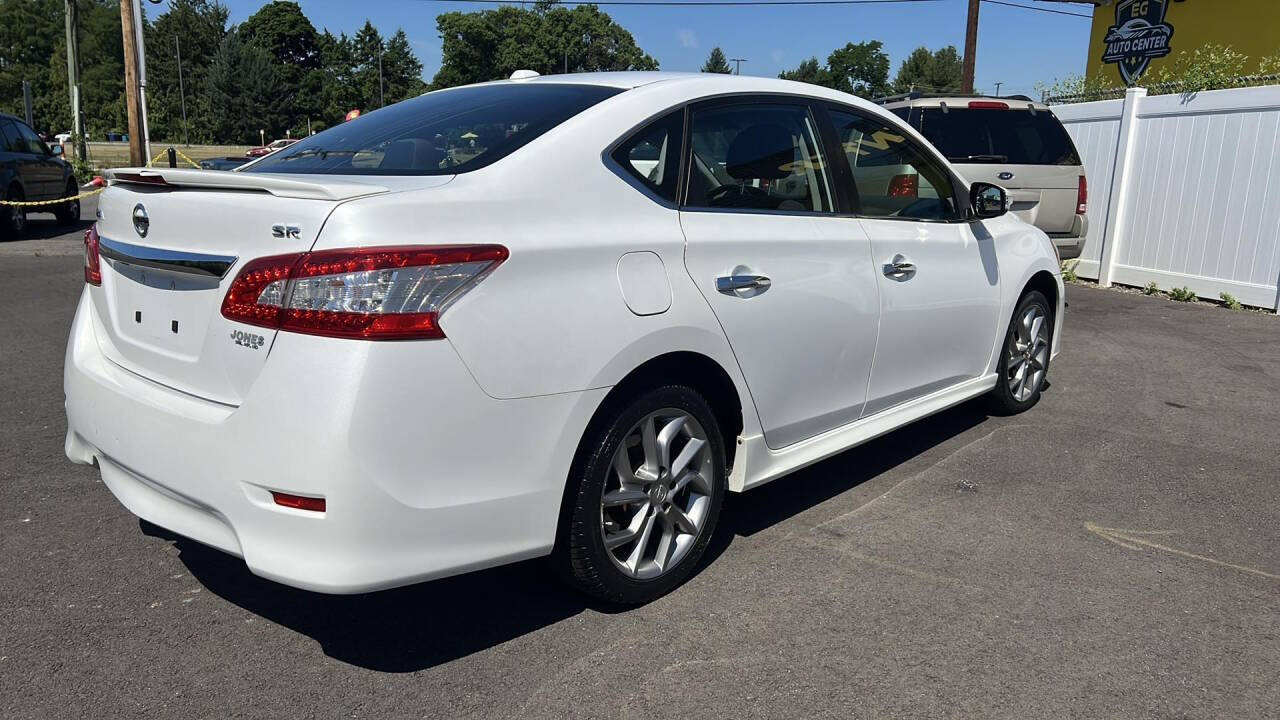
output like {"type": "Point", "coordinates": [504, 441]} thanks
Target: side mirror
{"type": "Point", "coordinates": [988, 201]}
{"type": "Point", "coordinates": [56, 149]}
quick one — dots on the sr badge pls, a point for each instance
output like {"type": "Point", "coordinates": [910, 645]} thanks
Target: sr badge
{"type": "Point", "coordinates": [1139, 36]}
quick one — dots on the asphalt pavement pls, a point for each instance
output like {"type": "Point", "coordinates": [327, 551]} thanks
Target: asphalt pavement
{"type": "Point", "coordinates": [1111, 553]}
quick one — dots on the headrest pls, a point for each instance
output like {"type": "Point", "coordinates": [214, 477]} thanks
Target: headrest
{"type": "Point", "coordinates": [760, 151]}
{"type": "Point", "coordinates": [411, 154]}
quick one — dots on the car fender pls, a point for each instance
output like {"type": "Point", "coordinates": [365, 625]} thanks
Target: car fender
{"type": "Point", "coordinates": [1022, 251]}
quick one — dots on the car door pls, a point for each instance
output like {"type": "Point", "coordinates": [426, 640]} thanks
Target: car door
{"type": "Point", "coordinates": [939, 283]}
{"type": "Point", "coordinates": [13, 149]}
{"type": "Point", "coordinates": [45, 172]}
{"type": "Point", "coordinates": [790, 282]}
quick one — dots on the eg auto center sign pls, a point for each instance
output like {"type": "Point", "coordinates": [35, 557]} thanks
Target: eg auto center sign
{"type": "Point", "coordinates": [1133, 37]}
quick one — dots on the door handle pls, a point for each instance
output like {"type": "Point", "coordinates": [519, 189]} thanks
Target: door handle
{"type": "Point", "coordinates": [742, 285]}
{"type": "Point", "coordinates": [900, 268]}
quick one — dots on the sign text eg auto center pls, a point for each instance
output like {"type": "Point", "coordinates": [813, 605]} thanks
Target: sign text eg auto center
{"type": "Point", "coordinates": [1131, 38]}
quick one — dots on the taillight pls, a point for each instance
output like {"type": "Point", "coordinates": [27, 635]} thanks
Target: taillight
{"type": "Point", "coordinates": [386, 293]}
{"type": "Point", "coordinates": [1082, 197]}
{"type": "Point", "coordinates": [92, 261]}
{"type": "Point", "coordinates": [904, 186]}
{"type": "Point", "coordinates": [988, 105]}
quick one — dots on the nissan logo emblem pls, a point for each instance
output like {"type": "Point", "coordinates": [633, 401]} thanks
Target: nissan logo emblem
{"type": "Point", "coordinates": [141, 222]}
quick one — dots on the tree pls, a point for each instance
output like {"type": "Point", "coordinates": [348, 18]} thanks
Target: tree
{"type": "Point", "coordinates": [810, 71]}
{"type": "Point", "coordinates": [940, 71]}
{"type": "Point", "coordinates": [716, 62]}
{"type": "Point", "coordinates": [198, 27]}
{"type": "Point", "coordinates": [491, 44]}
{"type": "Point", "coordinates": [860, 69]}
{"type": "Point", "coordinates": [244, 92]}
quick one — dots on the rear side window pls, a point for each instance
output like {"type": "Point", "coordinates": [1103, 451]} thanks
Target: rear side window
{"type": "Point", "coordinates": [652, 154]}
{"type": "Point", "coordinates": [10, 141]}
{"type": "Point", "coordinates": [440, 133]}
{"type": "Point", "coordinates": [757, 157]}
{"type": "Point", "coordinates": [1015, 137]}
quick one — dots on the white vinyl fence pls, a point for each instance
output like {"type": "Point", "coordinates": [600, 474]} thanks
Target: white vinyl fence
{"type": "Point", "coordinates": [1184, 190]}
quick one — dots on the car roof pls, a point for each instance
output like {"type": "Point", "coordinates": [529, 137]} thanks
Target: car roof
{"type": "Point", "coordinates": [1015, 102]}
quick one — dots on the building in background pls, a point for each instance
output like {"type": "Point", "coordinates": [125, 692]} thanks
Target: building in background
{"type": "Point", "coordinates": [1132, 37]}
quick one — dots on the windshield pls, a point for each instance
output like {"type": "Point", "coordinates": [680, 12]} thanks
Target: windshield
{"type": "Point", "coordinates": [1015, 137]}
{"type": "Point", "coordinates": [440, 133]}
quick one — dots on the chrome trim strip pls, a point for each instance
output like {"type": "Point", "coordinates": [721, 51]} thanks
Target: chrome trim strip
{"type": "Point", "coordinates": [172, 260]}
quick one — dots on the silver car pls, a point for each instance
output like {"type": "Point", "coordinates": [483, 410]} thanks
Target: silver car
{"type": "Point", "coordinates": [1013, 142]}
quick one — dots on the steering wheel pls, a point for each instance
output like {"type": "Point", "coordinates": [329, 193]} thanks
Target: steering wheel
{"type": "Point", "coordinates": [740, 196]}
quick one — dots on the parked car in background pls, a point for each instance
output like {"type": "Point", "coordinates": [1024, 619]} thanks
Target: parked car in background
{"type": "Point", "coordinates": [1016, 143]}
{"type": "Point", "coordinates": [357, 364]}
{"type": "Point", "coordinates": [31, 171]}
{"type": "Point", "coordinates": [270, 147]}
{"type": "Point", "coordinates": [63, 138]}
{"type": "Point", "coordinates": [224, 163]}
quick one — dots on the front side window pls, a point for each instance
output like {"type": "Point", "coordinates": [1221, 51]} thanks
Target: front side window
{"type": "Point", "coordinates": [30, 141]}
{"type": "Point", "coordinates": [757, 157]}
{"type": "Point", "coordinates": [892, 177]}
{"type": "Point", "coordinates": [440, 133]}
{"type": "Point", "coordinates": [10, 141]}
{"type": "Point", "coordinates": [652, 154]}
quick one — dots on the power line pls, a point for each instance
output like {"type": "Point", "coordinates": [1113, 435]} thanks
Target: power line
{"type": "Point", "coordinates": [1038, 9]}
{"type": "Point", "coordinates": [678, 3]}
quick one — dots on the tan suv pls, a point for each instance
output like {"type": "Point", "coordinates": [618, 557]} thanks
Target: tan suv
{"type": "Point", "coordinates": [1013, 142]}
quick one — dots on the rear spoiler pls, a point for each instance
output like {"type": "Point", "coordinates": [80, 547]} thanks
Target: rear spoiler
{"type": "Point", "coordinates": [280, 186]}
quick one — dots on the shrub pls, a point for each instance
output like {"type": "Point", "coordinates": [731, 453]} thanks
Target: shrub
{"type": "Point", "coordinates": [1183, 294]}
{"type": "Point", "coordinates": [1151, 289]}
{"type": "Point", "coordinates": [1208, 67]}
{"type": "Point", "coordinates": [1229, 302]}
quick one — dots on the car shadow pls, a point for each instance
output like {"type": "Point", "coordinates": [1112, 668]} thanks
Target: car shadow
{"type": "Point", "coordinates": [39, 228]}
{"type": "Point", "coordinates": [421, 626]}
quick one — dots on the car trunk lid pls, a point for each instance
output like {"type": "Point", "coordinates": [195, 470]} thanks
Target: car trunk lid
{"type": "Point", "coordinates": [174, 240]}
{"type": "Point", "coordinates": [1043, 195]}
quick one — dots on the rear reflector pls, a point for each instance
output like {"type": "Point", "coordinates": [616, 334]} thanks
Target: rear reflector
{"type": "Point", "coordinates": [92, 261]}
{"type": "Point", "coordinates": [904, 186]}
{"type": "Point", "coordinates": [298, 502]}
{"type": "Point", "coordinates": [988, 105]}
{"type": "Point", "coordinates": [1082, 197]}
{"type": "Point", "coordinates": [384, 293]}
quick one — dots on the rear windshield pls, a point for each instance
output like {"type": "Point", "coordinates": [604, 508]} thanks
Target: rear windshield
{"type": "Point", "coordinates": [1014, 137]}
{"type": "Point", "coordinates": [440, 133]}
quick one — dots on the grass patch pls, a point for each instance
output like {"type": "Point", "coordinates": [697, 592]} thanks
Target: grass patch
{"type": "Point", "coordinates": [1183, 294]}
{"type": "Point", "coordinates": [1151, 289]}
{"type": "Point", "coordinates": [1230, 302]}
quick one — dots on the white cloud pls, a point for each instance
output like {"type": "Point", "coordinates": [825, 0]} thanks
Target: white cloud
{"type": "Point", "coordinates": [687, 38]}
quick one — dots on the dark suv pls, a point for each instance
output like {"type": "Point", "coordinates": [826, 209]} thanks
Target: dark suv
{"type": "Point", "coordinates": [30, 171]}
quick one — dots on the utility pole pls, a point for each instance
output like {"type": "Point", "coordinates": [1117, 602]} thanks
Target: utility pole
{"type": "Point", "coordinates": [136, 149]}
{"type": "Point", "coordinates": [73, 75]}
{"type": "Point", "coordinates": [142, 77]}
{"type": "Point", "coordinates": [970, 47]}
{"type": "Point", "coordinates": [177, 47]}
{"type": "Point", "coordinates": [998, 88]}
{"type": "Point", "coordinates": [737, 65]}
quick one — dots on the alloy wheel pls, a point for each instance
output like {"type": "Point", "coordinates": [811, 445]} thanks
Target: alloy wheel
{"type": "Point", "coordinates": [658, 495]}
{"type": "Point", "coordinates": [1027, 353]}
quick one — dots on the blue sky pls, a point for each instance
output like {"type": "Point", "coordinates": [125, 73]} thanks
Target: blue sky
{"type": "Point", "coordinates": [1017, 47]}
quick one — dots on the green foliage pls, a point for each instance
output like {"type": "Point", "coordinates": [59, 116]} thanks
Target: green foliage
{"type": "Point", "coordinates": [1183, 294]}
{"type": "Point", "coordinates": [939, 71]}
{"type": "Point", "coordinates": [491, 44]}
{"type": "Point", "coordinates": [292, 74]}
{"type": "Point", "coordinates": [1151, 289]}
{"type": "Point", "coordinates": [858, 68]}
{"type": "Point", "coordinates": [1069, 272]}
{"type": "Point", "coordinates": [1269, 65]}
{"type": "Point", "coordinates": [716, 62]}
{"type": "Point", "coordinates": [1229, 302]}
{"type": "Point", "coordinates": [1208, 67]}
{"type": "Point", "coordinates": [1096, 86]}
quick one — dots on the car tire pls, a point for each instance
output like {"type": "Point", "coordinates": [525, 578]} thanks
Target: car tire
{"type": "Point", "coordinates": [13, 219]}
{"type": "Point", "coordinates": [69, 213]}
{"type": "Point", "coordinates": [1024, 356]}
{"type": "Point", "coordinates": [643, 496]}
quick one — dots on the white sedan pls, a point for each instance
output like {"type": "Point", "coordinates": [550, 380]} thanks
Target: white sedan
{"type": "Point", "coordinates": [553, 316]}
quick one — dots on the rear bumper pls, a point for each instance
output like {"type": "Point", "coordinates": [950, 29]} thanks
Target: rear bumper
{"type": "Point", "coordinates": [423, 474]}
{"type": "Point", "coordinates": [1071, 244]}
